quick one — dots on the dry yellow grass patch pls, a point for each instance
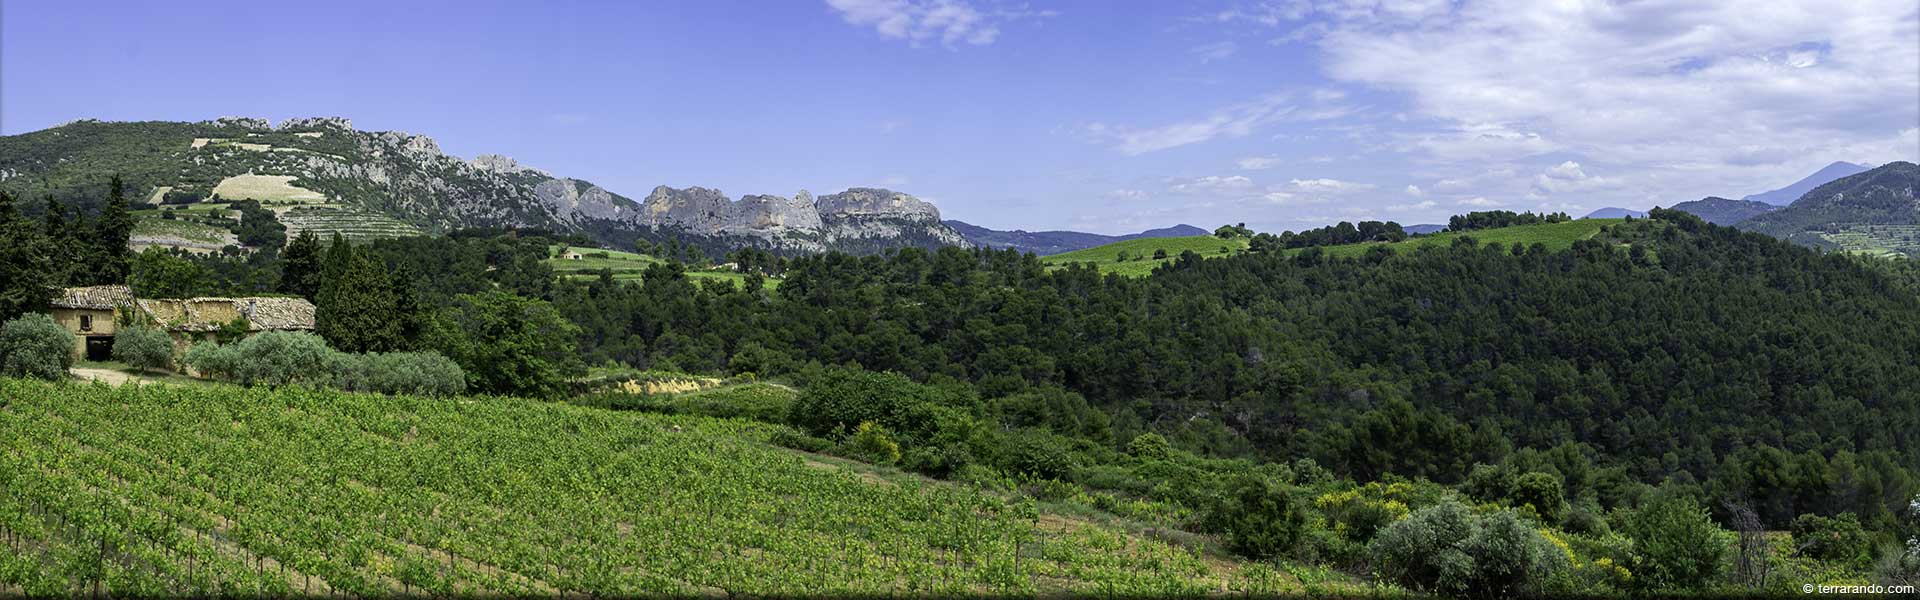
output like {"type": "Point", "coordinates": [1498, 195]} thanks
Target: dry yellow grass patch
{"type": "Point", "coordinates": [671, 386]}
{"type": "Point", "coordinates": [266, 188]}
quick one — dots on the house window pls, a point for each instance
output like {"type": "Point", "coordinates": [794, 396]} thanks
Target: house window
{"type": "Point", "coordinates": [86, 322]}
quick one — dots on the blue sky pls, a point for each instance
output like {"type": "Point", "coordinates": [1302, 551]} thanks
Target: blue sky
{"type": "Point", "coordinates": [1099, 116]}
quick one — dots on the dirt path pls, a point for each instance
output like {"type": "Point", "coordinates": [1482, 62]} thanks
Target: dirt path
{"type": "Point", "coordinates": [107, 376]}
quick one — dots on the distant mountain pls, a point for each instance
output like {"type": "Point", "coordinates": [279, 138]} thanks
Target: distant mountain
{"type": "Point", "coordinates": [1046, 243]}
{"type": "Point", "coordinates": [1616, 213]}
{"type": "Point", "coordinates": [1722, 211]}
{"type": "Point", "coordinates": [1872, 199]}
{"type": "Point", "coordinates": [1787, 195]}
{"type": "Point", "coordinates": [321, 174]}
{"type": "Point", "coordinates": [1424, 228]}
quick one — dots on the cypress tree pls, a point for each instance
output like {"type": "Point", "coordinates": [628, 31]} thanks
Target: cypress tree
{"type": "Point", "coordinates": [356, 307]}
{"type": "Point", "coordinates": [112, 232]}
{"type": "Point", "coordinates": [300, 266]}
{"type": "Point", "coordinates": [25, 280]}
{"type": "Point", "coordinates": [60, 236]}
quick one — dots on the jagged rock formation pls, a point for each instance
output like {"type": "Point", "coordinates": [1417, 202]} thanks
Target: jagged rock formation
{"type": "Point", "coordinates": [406, 177]}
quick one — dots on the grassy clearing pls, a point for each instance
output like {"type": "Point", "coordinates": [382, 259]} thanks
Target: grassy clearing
{"type": "Point", "coordinates": [1878, 240]}
{"type": "Point", "coordinates": [157, 228]}
{"type": "Point", "coordinates": [1141, 252]}
{"type": "Point", "coordinates": [1556, 236]}
{"type": "Point", "coordinates": [352, 222]}
{"type": "Point", "coordinates": [228, 489]}
{"type": "Point", "coordinates": [266, 188]}
{"type": "Point", "coordinates": [629, 266]}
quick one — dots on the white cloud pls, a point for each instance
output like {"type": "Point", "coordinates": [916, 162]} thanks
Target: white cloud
{"type": "Point", "coordinates": [1259, 163]}
{"type": "Point", "coordinates": [951, 22]}
{"type": "Point", "coordinates": [1212, 185]}
{"type": "Point", "coordinates": [1669, 99]}
{"type": "Point", "coordinates": [1477, 201]}
{"type": "Point", "coordinates": [1215, 51]}
{"type": "Point", "coordinates": [1329, 186]}
{"type": "Point", "coordinates": [1421, 205]}
{"type": "Point", "coordinates": [1415, 191]}
{"type": "Point", "coordinates": [1232, 121]}
{"type": "Point", "coordinates": [1568, 177]}
{"type": "Point", "coordinates": [1127, 194]}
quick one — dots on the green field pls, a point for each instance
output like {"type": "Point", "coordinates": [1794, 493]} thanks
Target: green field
{"type": "Point", "coordinates": [628, 266]}
{"type": "Point", "coordinates": [167, 490]}
{"type": "Point", "coordinates": [1878, 240]}
{"type": "Point", "coordinates": [154, 227]}
{"type": "Point", "coordinates": [1141, 253]}
{"type": "Point", "coordinates": [1556, 236]}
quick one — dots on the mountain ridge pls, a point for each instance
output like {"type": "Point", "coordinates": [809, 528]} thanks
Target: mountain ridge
{"type": "Point", "coordinates": [1792, 192]}
{"type": "Point", "coordinates": [404, 177]}
{"type": "Point", "coordinates": [1047, 243]}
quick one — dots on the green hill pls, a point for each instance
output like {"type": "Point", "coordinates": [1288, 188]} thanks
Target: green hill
{"type": "Point", "coordinates": [1556, 236]}
{"type": "Point", "coordinates": [1140, 253]}
{"type": "Point", "coordinates": [163, 490]}
{"type": "Point", "coordinates": [1874, 212]}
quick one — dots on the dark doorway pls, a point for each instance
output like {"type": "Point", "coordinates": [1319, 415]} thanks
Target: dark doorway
{"type": "Point", "coordinates": [99, 348]}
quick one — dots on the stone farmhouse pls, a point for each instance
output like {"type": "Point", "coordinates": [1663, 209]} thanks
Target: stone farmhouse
{"type": "Point", "coordinates": [92, 315]}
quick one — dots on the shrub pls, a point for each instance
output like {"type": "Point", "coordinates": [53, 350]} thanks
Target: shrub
{"type": "Point", "coordinates": [211, 360]}
{"type": "Point", "coordinates": [143, 348]}
{"type": "Point", "coordinates": [1543, 491]}
{"type": "Point", "coordinates": [1839, 539]}
{"type": "Point", "coordinates": [870, 442]}
{"type": "Point", "coordinates": [790, 438]}
{"type": "Point", "coordinates": [1447, 549]}
{"type": "Point", "coordinates": [1359, 513]}
{"type": "Point", "coordinates": [1260, 519]}
{"type": "Point", "coordinates": [1675, 544]}
{"type": "Point", "coordinates": [33, 345]}
{"type": "Point", "coordinates": [417, 373]}
{"type": "Point", "coordinates": [1150, 446]}
{"type": "Point", "coordinates": [1037, 453]}
{"type": "Point", "coordinates": [840, 398]}
{"type": "Point", "coordinates": [277, 358]}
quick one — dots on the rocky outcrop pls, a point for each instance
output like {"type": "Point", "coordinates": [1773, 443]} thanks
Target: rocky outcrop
{"type": "Point", "coordinates": [575, 199]}
{"type": "Point", "coordinates": [876, 202]}
{"type": "Point", "coordinates": [503, 164]}
{"type": "Point", "coordinates": [865, 217]}
{"type": "Point", "coordinates": [314, 123]}
{"type": "Point", "coordinates": [243, 122]}
{"type": "Point", "coordinates": [775, 214]}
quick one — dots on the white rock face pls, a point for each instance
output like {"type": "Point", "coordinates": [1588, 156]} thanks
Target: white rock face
{"type": "Point", "coordinates": [243, 122]}
{"type": "Point", "coordinates": [309, 123]}
{"type": "Point", "coordinates": [503, 164]}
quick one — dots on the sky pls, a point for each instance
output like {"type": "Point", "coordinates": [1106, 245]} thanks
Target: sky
{"type": "Point", "coordinates": [1101, 116]}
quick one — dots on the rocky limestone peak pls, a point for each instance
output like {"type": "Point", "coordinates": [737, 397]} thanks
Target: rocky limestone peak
{"type": "Point", "coordinates": [423, 145]}
{"type": "Point", "coordinates": [768, 212]}
{"type": "Point", "coordinates": [876, 202]}
{"type": "Point", "coordinates": [503, 164]}
{"type": "Point", "coordinates": [696, 208]}
{"type": "Point", "coordinates": [243, 122]}
{"type": "Point", "coordinates": [311, 123]}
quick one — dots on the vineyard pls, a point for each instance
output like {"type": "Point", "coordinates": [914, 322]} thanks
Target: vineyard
{"type": "Point", "coordinates": [164, 490]}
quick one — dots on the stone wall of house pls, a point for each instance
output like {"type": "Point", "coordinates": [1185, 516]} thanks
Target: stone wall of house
{"type": "Point", "coordinates": [102, 324]}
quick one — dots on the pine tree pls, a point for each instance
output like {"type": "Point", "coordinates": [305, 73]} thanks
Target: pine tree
{"type": "Point", "coordinates": [407, 308]}
{"type": "Point", "coordinates": [300, 266]}
{"type": "Point", "coordinates": [25, 280]}
{"type": "Point", "coordinates": [356, 307]}
{"type": "Point", "coordinates": [111, 263]}
{"type": "Point", "coordinates": [60, 235]}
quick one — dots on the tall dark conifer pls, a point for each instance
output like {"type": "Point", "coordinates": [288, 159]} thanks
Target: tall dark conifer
{"type": "Point", "coordinates": [357, 310]}
{"type": "Point", "coordinates": [300, 266]}
{"type": "Point", "coordinates": [111, 260]}
{"type": "Point", "coordinates": [25, 281]}
{"type": "Point", "coordinates": [59, 233]}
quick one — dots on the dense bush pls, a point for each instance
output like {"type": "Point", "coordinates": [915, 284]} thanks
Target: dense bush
{"type": "Point", "coordinates": [33, 345]}
{"type": "Point", "coordinates": [840, 398]}
{"type": "Point", "coordinates": [1036, 453]}
{"type": "Point", "coordinates": [212, 360]}
{"type": "Point", "coordinates": [871, 442]}
{"type": "Point", "coordinates": [1149, 446]}
{"type": "Point", "coordinates": [1448, 549]}
{"type": "Point", "coordinates": [508, 344]}
{"type": "Point", "coordinates": [1260, 519]}
{"type": "Point", "coordinates": [277, 358]}
{"type": "Point", "coordinates": [418, 373]}
{"type": "Point", "coordinates": [1840, 539]}
{"type": "Point", "coordinates": [1675, 544]}
{"type": "Point", "coordinates": [143, 348]}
